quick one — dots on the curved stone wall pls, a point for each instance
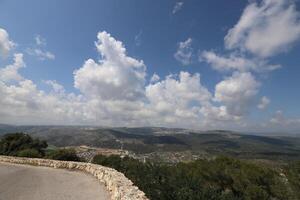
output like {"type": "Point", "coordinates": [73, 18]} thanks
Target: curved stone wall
{"type": "Point", "coordinates": [117, 184]}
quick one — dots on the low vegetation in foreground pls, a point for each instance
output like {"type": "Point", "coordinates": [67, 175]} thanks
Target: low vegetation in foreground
{"type": "Point", "coordinates": [23, 145]}
{"type": "Point", "coordinates": [20, 144]}
{"type": "Point", "coordinates": [63, 154]}
{"type": "Point", "coordinates": [221, 178]}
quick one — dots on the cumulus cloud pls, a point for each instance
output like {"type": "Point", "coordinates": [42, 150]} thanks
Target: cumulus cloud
{"type": "Point", "coordinates": [118, 102]}
{"type": "Point", "coordinates": [56, 87]}
{"type": "Point", "coordinates": [184, 52]}
{"type": "Point", "coordinates": [234, 62]}
{"type": "Point", "coordinates": [237, 93]}
{"type": "Point", "coordinates": [265, 28]}
{"type": "Point", "coordinates": [177, 7]}
{"type": "Point", "coordinates": [264, 102]}
{"type": "Point", "coordinates": [116, 76]}
{"type": "Point", "coordinates": [215, 114]}
{"type": "Point", "coordinates": [176, 98]}
{"type": "Point", "coordinates": [154, 78]}
{"type": "Point", "coordinates": [182, 100]}
{"type": "Point", "coordinates": [180, 92]}
{"type": "Point", "coordinates": [5, 43]}
{"type": "Point", "coordinates": [10, 72]}
{"type": "Point", "coordinates": [173, 101]}
{"type": "Point", "coordinates": [113, 93]}
{"type": "Point", "coordinates": [22, 102]}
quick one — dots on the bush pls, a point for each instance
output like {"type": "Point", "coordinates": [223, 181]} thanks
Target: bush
{"type": "Point", "coordinates": [220, 179]}
{"type": "Point", "coordinates": [29, 153]}
{"type": "Point", "coordinates": [12, 144]}
{"type": "Point", "coordinates": [63, 154]}
{"type": "Point", "coordinates": [292, 173]}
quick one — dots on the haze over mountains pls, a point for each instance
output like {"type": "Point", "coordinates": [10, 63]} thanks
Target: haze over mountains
{"type": "Point", "coordinates": [144, 140]}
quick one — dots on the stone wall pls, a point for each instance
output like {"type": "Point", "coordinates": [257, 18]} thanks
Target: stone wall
{"type": "Point", "coordinates": [116, 183]}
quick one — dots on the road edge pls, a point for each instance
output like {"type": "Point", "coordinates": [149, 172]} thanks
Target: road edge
{"type": "Point", "coordinates": [119, 187]}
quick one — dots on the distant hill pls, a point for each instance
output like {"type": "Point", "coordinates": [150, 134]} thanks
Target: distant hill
{"type": "Point", "coordinates": [157, 139]}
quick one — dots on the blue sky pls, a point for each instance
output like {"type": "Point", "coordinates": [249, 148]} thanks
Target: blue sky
{"type": "Point", "coordinates": [245, 82]}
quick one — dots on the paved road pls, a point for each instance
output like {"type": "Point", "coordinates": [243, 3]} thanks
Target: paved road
{"type": "Point", "coordinates": [20, 182]}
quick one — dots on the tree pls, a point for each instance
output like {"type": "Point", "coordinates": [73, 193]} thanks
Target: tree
{"type": "Point", "coordinates": [12, 144]}
{"type": "Point", "coordinates": [63, 154]}
{"type": "Point", "coordinates": [29, 153]}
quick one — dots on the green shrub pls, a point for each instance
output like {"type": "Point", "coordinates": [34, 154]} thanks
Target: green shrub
{"type": "Point", "coordinates": [29, 153]}
{"type": "Point", "coordinates": [292, 173]}
{"type": "Point", "coordinates": [63, 154]}
{"type": "Point", "coordinates": [12, 144]}
{"type": "Point", "coordinates": [220, 179]}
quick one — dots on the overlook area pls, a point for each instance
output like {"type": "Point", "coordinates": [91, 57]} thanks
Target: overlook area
{"type": "Point", "coordinates": [23, 182]}
{"type": "Point", "coordinates": [213, 176]}
{"type": "Point", "coordinates": [150, 100]}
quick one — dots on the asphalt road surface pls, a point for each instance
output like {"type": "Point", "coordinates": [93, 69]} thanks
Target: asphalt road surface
{"type": "Point", "coordinates": [21, 182]}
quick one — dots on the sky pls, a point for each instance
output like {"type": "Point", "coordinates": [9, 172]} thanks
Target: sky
{"type": "Point", "coordinates": [194, 64]}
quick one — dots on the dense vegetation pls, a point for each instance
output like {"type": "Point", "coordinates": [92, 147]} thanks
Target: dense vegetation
{"type": "Point", "coordinates": [221, 178]}
{"type": "Point", "coordinates": [63, 154]}
{"type": "Point", "coordinates": [292, 172]}
{"type": "Point", "coordinates": [20, 144]}
{"type": "Point", "coordinates": [23, 145]}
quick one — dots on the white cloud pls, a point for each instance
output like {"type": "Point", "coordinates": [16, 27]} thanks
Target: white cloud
{"type": "Point", "coordinates": [40, 41]}
{"type": "Point", "coordinates": [177, 101]}
{"type": "Point", "coordinates": [265, 28]}
{"type": "Point", "coordinates": [184, 52]}
{"type": "Point", "coordinates": [170, 102]}
{"type": "Point", "coordinates": [5, 43]}
{"type": "Point", "coordinates": [237, 93]}
{"type": "Point", "coordinates": [24, 103]}
{"type": "Point", "coordinates": [138, 38]}
{"type": "Point", "coordinates": [10, 72]}
{"type": "Point", "coordinates": [113, 93]}
{"type": "Point", "coordinates": [40, 54]}
{"type": "Point", "coordinates": [177, 7]}
{"type": "Point", "coordinates": [264, 102]}
{"type": "Point", "coordinates": [154, 78]}
{"type": "Point", "coordinates": [182, 91]}
{"type": "Point", "coordinates": [116, 76]}
{"type": "Point", "coordinates": [57, 88]}
{"type": "Point", "coordinates": [235, 62]}
{"type": "Point", "coordinates": [279, 119]}
{"type": "Point", "coordinates": [39, 49]}
{"type": "Point", "coordinates": [214, 114]}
